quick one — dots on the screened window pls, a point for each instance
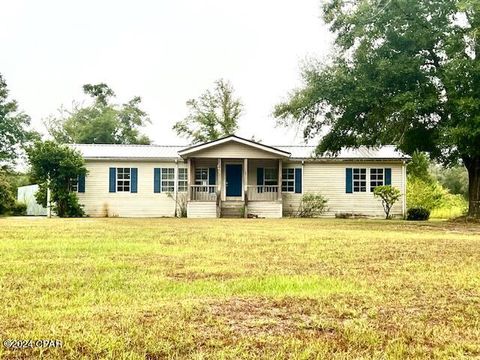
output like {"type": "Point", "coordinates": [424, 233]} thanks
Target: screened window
{"type": "Point", "coordinates": [123, 179]}
{"type": "Point", "coordinates": [182, 179]}
{"type": "Point", "coordinates": [168, 180]}
{"type": "Point", "coordinates": [359, 180]}
{"type": "Point", "coordinates": [376, 178]}
{"type": "Point", "coordinates": [270, 177]}
{"type": "Point", "coordinates": [201, 176]}
{"type": "Point", "coordinates": [288, 180]}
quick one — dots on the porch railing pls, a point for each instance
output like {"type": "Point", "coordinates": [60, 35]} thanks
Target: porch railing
{"type": "Point", "coordinates": [203, 192]}
{"type": "Point", "coordinates": [262, 192]}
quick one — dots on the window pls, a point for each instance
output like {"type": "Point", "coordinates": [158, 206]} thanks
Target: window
{"type": "Point", "coordinates": [359, 180]}
{"type": "Point", "coordinates": [74, 184]}
{"type": "Point", "coordinates": [168, 180]}
{"type": "Point", "coordinates": [270, 177]}
{"type": "Point", "coordinates": [123, 179]}
{"type": "Point", "coordinates": [201, 176]}
{"type": "Point", "coordinates": [182, 179]}
{"type": "Point", "coordinates": [376, 178]}
{"type": "Point", "coordinates": [288, 180]}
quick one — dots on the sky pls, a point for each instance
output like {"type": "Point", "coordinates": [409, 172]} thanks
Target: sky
{"type": "Point", "coordinates": [166, 51]}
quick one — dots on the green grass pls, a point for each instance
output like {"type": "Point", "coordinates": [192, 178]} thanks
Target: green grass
{"type": "Point", "coordinates": [272, 289]}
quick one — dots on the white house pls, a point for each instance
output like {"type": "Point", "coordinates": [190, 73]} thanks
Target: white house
{"type": "Point", "coordinates": [233, 177]}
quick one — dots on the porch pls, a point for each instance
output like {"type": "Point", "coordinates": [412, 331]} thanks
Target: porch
{"type": "Point", "coordinates": [229, 187]}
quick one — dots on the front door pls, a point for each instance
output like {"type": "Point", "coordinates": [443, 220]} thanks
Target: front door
{"type": "Point", "coordinates": [233, 179]}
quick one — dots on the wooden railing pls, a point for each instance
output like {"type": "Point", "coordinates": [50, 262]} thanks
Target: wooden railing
{"type": "Point", "coordinates": [203, 192]}
{"type": "Point", "coordinates": [262, 192]}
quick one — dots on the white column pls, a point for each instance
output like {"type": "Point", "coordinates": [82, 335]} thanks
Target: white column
{"type": "Point", "coordinates": [190, 176]}
{"type": "Point", "coordinates": [280, 179]}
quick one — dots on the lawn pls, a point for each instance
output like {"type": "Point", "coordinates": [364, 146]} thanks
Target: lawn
{"type": "Point", "coordinates": [272, 289]}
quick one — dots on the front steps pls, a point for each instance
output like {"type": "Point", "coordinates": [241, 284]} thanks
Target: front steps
{"type": "Point", "coordinates": [232, 209]}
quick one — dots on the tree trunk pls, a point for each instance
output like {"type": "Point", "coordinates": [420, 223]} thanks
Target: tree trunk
{"type": "Point", "coordinates": [473, 166]}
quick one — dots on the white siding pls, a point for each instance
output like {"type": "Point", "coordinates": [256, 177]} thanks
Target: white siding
{"type": "Point", "coordinates": [265, 209]}
{"type": "Point", "coordinates": [232, 150]}
{"type": "Point", "coordinates": [99, 202]}
{"type": "Point", "coordinates": [329, 179]}
{"type": "Point", "coordinates": [202, 209]}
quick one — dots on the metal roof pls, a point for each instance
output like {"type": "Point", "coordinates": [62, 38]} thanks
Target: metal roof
{"type": "Point", "coordinates": [117, 151]}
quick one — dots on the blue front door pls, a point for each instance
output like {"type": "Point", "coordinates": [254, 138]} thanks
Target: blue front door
{"type": "Point", "coordinates": [234, 179]}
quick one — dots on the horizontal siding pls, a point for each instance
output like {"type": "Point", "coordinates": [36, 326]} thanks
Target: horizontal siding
{"type": "Point", "coordinates": [99, 202]}
{"type": "Point", "coordinates": [233, 150]}
{"type": "Point", "coordinates": [265, 209]}
{"type": "Point", "coordinates": [200, 209]}
{"type": "Point", "coordinates": [328, 179]}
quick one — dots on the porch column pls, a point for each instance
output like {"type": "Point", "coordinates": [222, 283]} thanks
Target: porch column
{"type": "Point", "coordinates": [219, 177]}
{"type": "Point", "coordinates": [245, 185]}
{"type": "Point", "coordinates": [279, 179]}
{"type": "Point", "coordinates": [190, 179]}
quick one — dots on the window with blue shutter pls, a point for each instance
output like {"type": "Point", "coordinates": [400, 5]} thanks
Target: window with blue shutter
{"type": "Point", "coordinates": [134, 175]}
{"type": "Point", "coordinates": [348, 180]}
{"type": "Point", "coordinates": [156, 180]}
{"type": "Point", "coordinates": [112, 180]}
{"type": "Point", "coordinates": [388, 176]}
{"type": "Point", "coordinates": [298, 181]}
{"type": "Point", "coordinates": [81, 183]}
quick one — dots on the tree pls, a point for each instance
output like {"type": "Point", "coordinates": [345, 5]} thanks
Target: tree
{"type": "Point", "coordinates": [404, 72]}
{"type": "Point", "coordinates": [100, 123]}
{"type": "Point", "coordinates": [14, 124]}
{"type": "Point", "coordinates": [57, 167]}
{"type": "Point", "coordinates": [213, 115]}
{"type": "Point", "coordinates": [7, 198]}
{"type": "Point", "coordinates": [389, 196]}
{"type": "Point", "coordinates": [419, 167]}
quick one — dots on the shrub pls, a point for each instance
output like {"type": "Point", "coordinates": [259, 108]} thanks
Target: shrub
{"type": "Point", "coordinates": [312, 205]}
{"type": "Point", "coordinates": [19, 209]}
{"type": "Point", "coordinates": [67, 205]}
{"type": "Point", "coordinates": [389, 196]}
{"type": "Point", "coordinates": [418, 213]}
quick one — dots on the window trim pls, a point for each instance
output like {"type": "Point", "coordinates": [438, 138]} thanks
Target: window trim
{"type": "Point", "coordinates": [182, 180]}
{"type": "Point", "coordinates": [168, 180]}
{"type": "Point", "coordinates": [207, 180]}
{"type": "Point", "coordinates": [360, 180]}
{"type": "Point", "coordinates": [117, 186]}
{"type": "Point", "coordinates": [284, 179]}
{"type": "Point", "coordinates": [376, 180]}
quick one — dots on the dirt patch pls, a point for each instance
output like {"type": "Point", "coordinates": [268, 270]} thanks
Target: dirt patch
{"type": "Point", "coordinates": [259, 316]}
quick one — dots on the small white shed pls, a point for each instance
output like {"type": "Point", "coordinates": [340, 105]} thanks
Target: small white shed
{"type": "Point", "coordinates": [26, 194]}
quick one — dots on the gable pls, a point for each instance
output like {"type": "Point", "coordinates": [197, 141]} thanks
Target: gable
{"type": "Point", "coordinates": [234, 150]}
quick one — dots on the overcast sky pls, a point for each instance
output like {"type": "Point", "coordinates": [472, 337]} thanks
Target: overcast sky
{"type": "Point", "coordinates": [165, 51]}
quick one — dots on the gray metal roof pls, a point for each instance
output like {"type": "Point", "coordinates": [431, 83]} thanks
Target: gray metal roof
{"type": "Point", "coordinates": [115, 151]}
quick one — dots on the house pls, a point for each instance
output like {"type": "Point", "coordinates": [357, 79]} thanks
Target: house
{"type": "Point", "coordinates": [233, 177]}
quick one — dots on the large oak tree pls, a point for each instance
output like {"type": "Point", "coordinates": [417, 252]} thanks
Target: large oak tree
{"type": "Point", "coordinates": [405, 72]}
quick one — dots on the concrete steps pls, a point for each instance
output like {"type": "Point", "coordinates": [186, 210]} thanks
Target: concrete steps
{"type": "Point", "coordinates": [232, 209]}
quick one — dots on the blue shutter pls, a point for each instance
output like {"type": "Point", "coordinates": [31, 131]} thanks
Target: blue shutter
{"type": "Point", "coordinates": [212, 178]}
{"type": "Point", "coordinates": [134, 176]}
{"type": "Point", "coordinates": [348, 180]}
{"type": "Point", "coordinates": [112, 180]}
{"type": "Point", "coordinates": [156, 180]}
{"type": "Point", "coordinates": [81, 183]}
{"type": "Point", "coordinates": [260, 178]}
{"type": "Point", "coordinates": [298, 180]}
{"type": "Point", "coordinates": [388, 176]}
